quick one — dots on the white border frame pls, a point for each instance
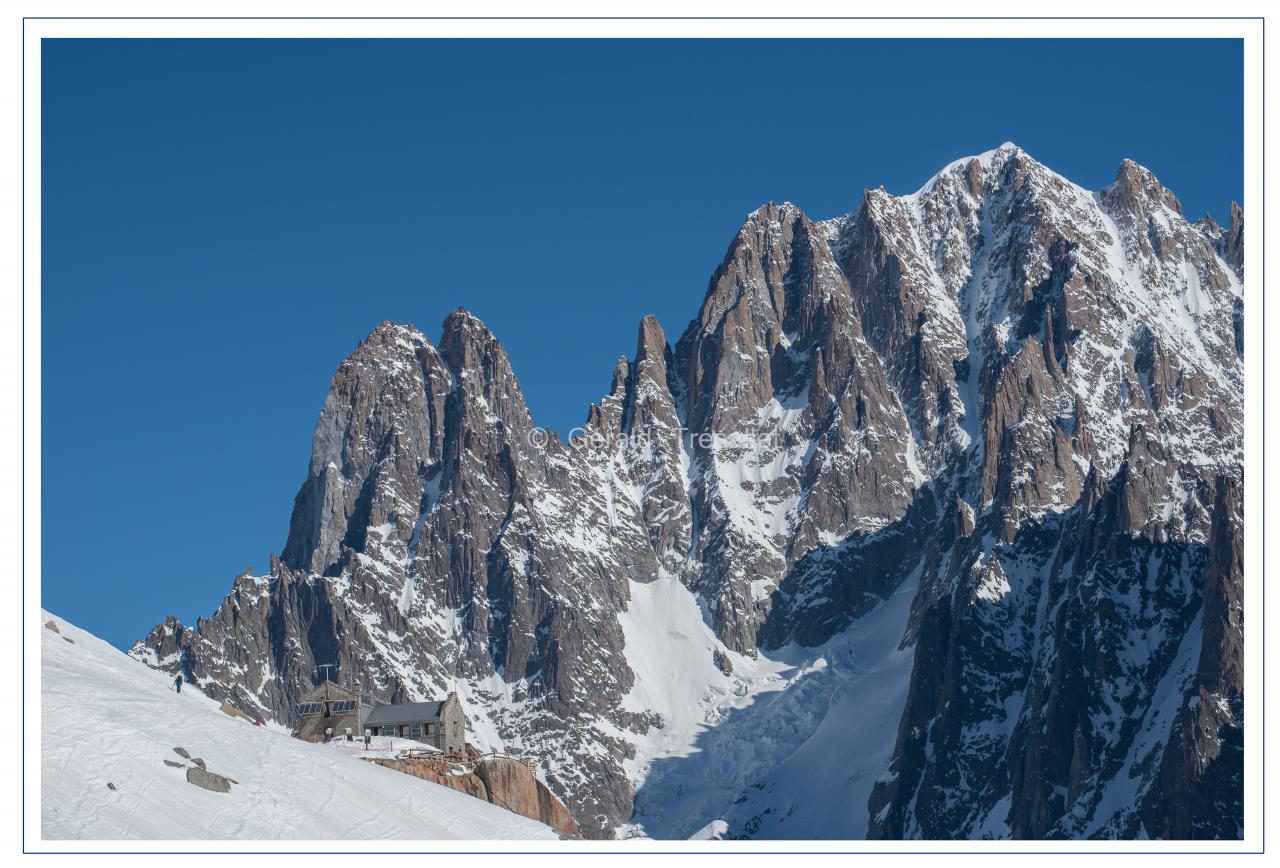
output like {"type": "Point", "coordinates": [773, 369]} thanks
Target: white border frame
{"type": "Point", "coordinates": [1250, 30]}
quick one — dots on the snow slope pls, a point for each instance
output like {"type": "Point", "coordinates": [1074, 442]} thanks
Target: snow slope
{"type": "Point", "coordinates": [106, 718]}
{"type": "Point", "coordinates": [671, 649]}
{"type": "Point", "coordinates": [788, 746]}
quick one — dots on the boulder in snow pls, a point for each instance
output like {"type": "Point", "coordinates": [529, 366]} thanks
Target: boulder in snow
{"type": "Point", "coordinates": [208, 780]}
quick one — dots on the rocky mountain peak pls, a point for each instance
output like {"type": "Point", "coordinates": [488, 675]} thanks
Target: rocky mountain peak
{"type": "Point", "coordinates": [1228, 241]}
{"type": "Point", "coordinates": [652, 378]}
{"type": "Point", "coordinates": [483, 372]}
{"type": "Point", "coordinates": [467, 343]}
{"type": "Point", "coordinates": [621, 375]}
{"type": "Point", "coordinates": [1210, 226]}
{"type": "Point", "coordinates": [388, 331]}
{"type": "Point", "coordinates": [651, 341]}
{"type": "Point", "coordinates": [1137, 189]}
{"type": "Point", "coordinates": [967, 442]}
{"type": "Point", "coordinates": [607, 417]}
{"type": "Point", "coordinates": [771, 213]}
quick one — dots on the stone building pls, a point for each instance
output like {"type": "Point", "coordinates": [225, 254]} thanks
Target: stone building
{"type": "Point", "coordinates": [439, 723]}
{"type": "Point", "coordinates": [330, 711]}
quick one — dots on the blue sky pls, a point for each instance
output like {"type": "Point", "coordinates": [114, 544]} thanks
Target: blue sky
{"type": "Point", "coordinates": [224, 220]}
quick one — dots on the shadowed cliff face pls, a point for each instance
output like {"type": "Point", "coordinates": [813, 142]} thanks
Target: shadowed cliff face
{"type": "Point", "coordinates": [1023, 396]}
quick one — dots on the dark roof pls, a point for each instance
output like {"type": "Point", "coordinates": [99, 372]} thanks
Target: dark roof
{"type": "Point", "coordinates": [408, 712]}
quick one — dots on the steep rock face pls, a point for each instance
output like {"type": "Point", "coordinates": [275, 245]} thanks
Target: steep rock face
{"type": "Point", "coordinates": [637, 447]}
{"type": "Point", "coordinates": [1229, 243]}
{"type": "Point", "coordinates": [1053, 649]}
{"type": "Point", "coordinates": [1017, 398]}
{"type": "Point", "coordinates": [799, 439]}
{"type": "Point", "coordinates": [510, 784]}
{"type": "Point", "coordinates": [504, 782]}
{"type": "Point", "coordinates": [382, 422]}
{"type": "Point", "coordinates": [1200, 782]}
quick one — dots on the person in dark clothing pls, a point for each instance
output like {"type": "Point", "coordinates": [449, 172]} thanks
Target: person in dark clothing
{"type": "Point", "coordinates": [177, 684]}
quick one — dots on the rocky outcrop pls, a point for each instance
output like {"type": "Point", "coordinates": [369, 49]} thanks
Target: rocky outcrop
{"type": "Point", "coordinates": [511, 784]}
{"type": "Point", "coordinates": [1020, 396]}
{"type": "Point", "coordinates": [462, 781]}
{"type": "Point", "coordinates": [502, 781]}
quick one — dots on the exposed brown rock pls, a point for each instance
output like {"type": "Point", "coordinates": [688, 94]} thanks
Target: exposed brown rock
{"type": "Point", "coordinates": [507, 783]}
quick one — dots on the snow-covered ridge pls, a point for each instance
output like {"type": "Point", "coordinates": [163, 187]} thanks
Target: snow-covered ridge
{"type": "Point", "coordinates": [109, 720]}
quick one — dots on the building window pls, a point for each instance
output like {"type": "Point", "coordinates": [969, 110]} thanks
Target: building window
{"type": "Point", "coordinates": [415, 730]}
{"type": "Point", "coordinates": [431, 729]}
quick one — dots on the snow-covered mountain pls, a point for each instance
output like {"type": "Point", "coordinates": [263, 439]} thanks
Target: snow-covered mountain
{"type": "Point", "coordinates": [928, 525]}
{"type": "Point", "coordinates": [110, 730]}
